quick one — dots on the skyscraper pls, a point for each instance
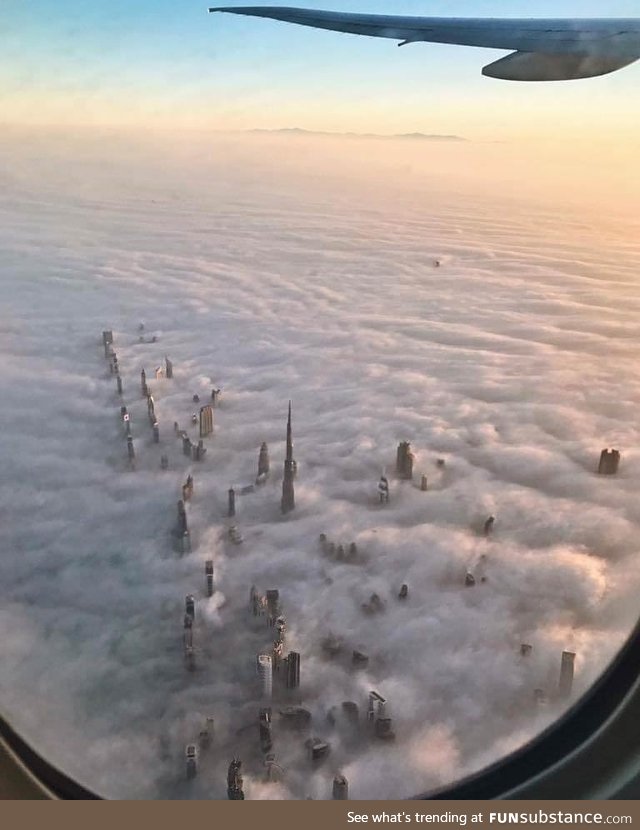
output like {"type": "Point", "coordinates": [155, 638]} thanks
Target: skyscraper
{"type": "Point", "coordinates": [209, 575]}
{"type": "Point", "coordinates": [206, 421]}
{"type": "Point", "coordinates": [288, 493]}
{"type": "Point", "coordinates": [404, 463]}
{"type": "Point", "coordinates": [263, 462]}
{"type": "Point", "coordinates": [234, 781]}
{"type": "Point", "coordinates": [293, 670]}
{"type": "Point", "coordinates": [265, 675]}
{"type": "Point", "coordinates": [151, 410]}
{"type": "Point", "coordinates": [567, 669]}
{"type": "Point", "coordinates": [273, 605]}
{"type": "Point", "coordinates": [340, 788]}
{"type": "Point", "coordinates": [609, 462]}
{"type": "Point", "coordinates": [264, 725]}
{"type": "Point", "coordinates": [182, 519]}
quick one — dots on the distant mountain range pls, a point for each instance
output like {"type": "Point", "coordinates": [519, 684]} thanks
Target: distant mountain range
{"type": "Point", "coordinates": [379, 136]}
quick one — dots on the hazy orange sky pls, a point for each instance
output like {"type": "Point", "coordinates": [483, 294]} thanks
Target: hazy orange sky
{"type": "Point", "coordinates": [158, 63]}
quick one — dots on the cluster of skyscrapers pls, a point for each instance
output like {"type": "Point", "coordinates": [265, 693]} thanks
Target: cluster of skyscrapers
{"type": "Point", "coordinates": [278, 671]}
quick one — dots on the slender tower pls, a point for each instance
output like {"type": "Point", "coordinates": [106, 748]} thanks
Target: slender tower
{"type": "Point", "coordinates": [234, 781]}
{"type": "Point", "coordinates": [263, 463]}
{"type": "Point", "coordinates": [264, 665]}
{"type": "Point", "coordinates": [566, 674]}
{"type": "Point", "coordinates": [209, 575]}
{"type": "Point", "coordinates": [288, 494]}
{"type": "Point", "coordinates": [292, 678]}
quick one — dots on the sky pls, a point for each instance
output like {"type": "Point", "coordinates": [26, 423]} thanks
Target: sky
{"type": "Point", "coordinates": [163, 64]}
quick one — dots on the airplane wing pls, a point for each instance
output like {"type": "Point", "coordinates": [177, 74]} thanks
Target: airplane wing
{"type": "Point", "coordinates": [542, 50]}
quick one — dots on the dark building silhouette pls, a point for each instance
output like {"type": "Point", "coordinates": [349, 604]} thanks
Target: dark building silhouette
{"type": "Point", "coordinates": [264, 464]}
{"type": "Point", "coordinates": [296, 718]}
{"type": "Point", "coordinates": [182, 519]}
{"type": "Point", "coordinates": [340, 788]}
{"type": "Point", "coordinates": [318, 749]}
{"type": "Point", "coordinates": [119, 384]}
{"type": "Point", "coordinates": [377, 715]}
{"type": "Point", "coordinates": [143, 384]}
{"type": "Point", "coordinates": [192, 761]}
{"type": "Point", "coordinates": [232, 503]}
{"type": "Point", "coordinates": [208, 569]}
{"type": "Point", "coordinates": [168, 368]}
{"type": "Point", "coordinates": [288, 492]}
{"type": "Point", "coordinates": [489, 525]}
{"type": "Point", "coordinates": [292, 677]}
{"type": "Point", "coordinates": [273, 605]}
{"type": "Point", "coordinates": [254, 601]}
{"type": "Point", "coordinates": [107, 342]}
{"type": "Point", "coordinates": [200, 451]}
{"type": "Point", "coordinates": [264, 726]}
{"type": "Point", "coordinates": [566, 674]}
{"type": "Point", "coordinates": [278, 645]}
{"type": "Point", "coordinates": [404, 462]}
{"type": "Point", "coordinates": [383, 489]}
{"type": "Point", "coordinates": [234, 781]}
{"type": "Point", "coordinates": [609, 462]}
{"type": "Point", "coordinates": [156, 433]}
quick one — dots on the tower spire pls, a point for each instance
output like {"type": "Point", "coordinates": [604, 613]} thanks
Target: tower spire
{"type": "Point", "coordinates": [288, 493]}
{"type": "Point", "coordinates": [289, 437]}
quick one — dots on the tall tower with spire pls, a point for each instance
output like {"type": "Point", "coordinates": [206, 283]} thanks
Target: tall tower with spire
{"type": "Point", "coordinates": [288, 493]}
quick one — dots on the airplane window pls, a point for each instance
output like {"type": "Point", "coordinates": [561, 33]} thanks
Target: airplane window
{"type": "Point", "coordinates": [319, 383]}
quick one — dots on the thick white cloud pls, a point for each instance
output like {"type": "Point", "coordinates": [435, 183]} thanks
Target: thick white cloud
{"type": "Point", "coordinates": [276, 278]}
